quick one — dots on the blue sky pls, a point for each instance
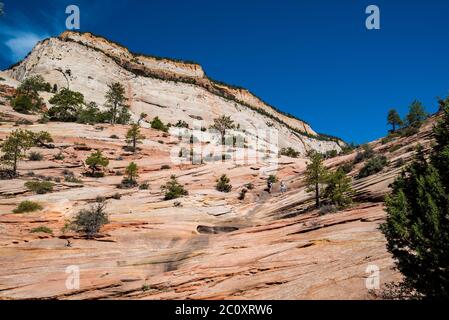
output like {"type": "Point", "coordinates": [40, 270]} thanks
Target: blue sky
{"type": "Point", "coordinates": [314, 59]}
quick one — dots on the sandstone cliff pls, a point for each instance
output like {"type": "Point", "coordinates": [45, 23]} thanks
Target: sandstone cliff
{"type": "Point", "coordinates": [173, 90]}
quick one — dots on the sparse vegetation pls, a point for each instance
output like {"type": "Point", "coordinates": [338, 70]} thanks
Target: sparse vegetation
{"type": "Point", "coordinates": [27, 206]}
{"type": "Point", "coordinates": [338, 189]}
{"type": "Point", "coordinates": [289, 152]}
{"type": "Point", "coordinates": [157, 124]}
{"type": "Point", "coordinates": [39, 187]}
{"type": "Point", "coordinates": [173, 189]}
{"type": "Point", "coordinates": [132, 173]}
{"type": "Point", "coordinates": [223, 184]}
{"type": "Point", "coordinates": [90, 221]}
{"type": "Point", "coordinates": [373, 166]}
{"type": "Point", "coordinates": [42, 139]}
{"type": "Point", "coordinates": [96, 161]}
{"type": "Point", "coordinates": [366, 153]}
{"type": "Point", "coordinates": [144, 186]}
{"type": "Point", "coordinates": [15, 146]}
{"type": "Point", "coordinates": [165, 167]}
{"type": "Point", "coordinates": [35, 156]}
{"type": "Point", "coordinates": [133, 137]}
{"type": "Point", "coordinates": [42, 229]}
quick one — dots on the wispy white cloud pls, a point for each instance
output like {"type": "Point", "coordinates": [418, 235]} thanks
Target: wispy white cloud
{"type": "Point", "coordinates": [18, 39]}
{"type": "Point", "coordinates": [22, 43]}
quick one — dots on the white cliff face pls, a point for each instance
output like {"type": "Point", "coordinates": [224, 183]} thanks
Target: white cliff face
{"type": "Point", "coordinates": [168, 89]}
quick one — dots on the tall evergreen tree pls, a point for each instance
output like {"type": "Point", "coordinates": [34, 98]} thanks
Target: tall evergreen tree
{"type": "Point", "coordinates": [417, 225]}
{"type": "Point", "coordinates": [338, 189]}
{"type": "Point", "coordinates": [115, 99]}
{"type": "Point", "coordinates": [394, 119]}
{"type": "Point", "coordinates": [66, 105]}
{"type": "Point", "coordinates": [316, 175]}
{"type": "Point", "coordinates": [416, 115]}
{"type": "Point", "coordinates": [133, 136]}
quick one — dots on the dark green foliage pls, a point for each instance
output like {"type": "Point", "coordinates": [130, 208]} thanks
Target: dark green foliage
{"type": "Point", "coordinates": [348, 148]}
{"type": "Point", "coordinates": [25, 104]}
{"type": "Point", "coordinates": [35, 156]}
{"type": "Point", "coordinates": [272, 178]}
{"type": "Point", "coordinates": [132, 173]}
{"type": "Point", "coordinates": [34, 84]}
{"type": "Point", "coordinates": [157, 124]}
{"type": "Point", "coordinates": [181, 124]}
{"type": "Point", "coordinates": [338, 189]}
{"type": "Point", "coordinates": [366, 153]}
{"type": "Point", "coordinates": [315, 175]}
{"type": "Point", "coordinates": [65, 106]}
{"type": "Point", "coordinates": [347, 167]}
{"type": "Point", "coordinates": [96, 161]}
{"type": "Point", "coordinates": [42, 139]}
{"type": "Point", "coordinates": [223, 184]}
{"type": "Point", "coordinates": [42, 229]}
{"type": "Point", "coordinates": [115, 100]}
{"type": "Point", "coordinates": [134, 137]}
{"type": "Point", "coordinates": [417, 227]}
{"type": "Point", "coordinates": [173, 189]}
{"type": "Point", "coordinates": [331, 154]}
{"type": "Point", "coordinates": [91, 114]}
{"type": "Point", "coordinates": [124, 116]}
{"type": "Point", "coordinates": [394, 119]}
{"type": "Point", "coordinates": [15, 146]}
{"type": "Point", "coordinates": [39, 187]}
{"type": "Point", "coordinates": [416, 114]}
{"type": "Point", "coordinates": [409, 131]}
{"type": "Point", "coordinates": [144, 186]}
{"type": "Point", "coordinates": [27, 206]}
{"type": "Point", "coordinates": [165, 167]}
{"type": "Point", "coordinates": [289, 152]}
{"type": "Point", "coordinates": [89, 221]}
{"type": "Point", "coordinates": [395, 148]}
{"type": "Point", "coordinates": [373, 166]}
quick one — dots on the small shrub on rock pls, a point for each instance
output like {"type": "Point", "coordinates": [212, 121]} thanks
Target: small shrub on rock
{"type": "Point", "coordinates": [89, 221]}
{"type": "Point", "coordinates": [40, 187]}
{"type": "Point", "coordinates": [223, 184]}
{"type": "Point", "coordinates": [27, 206]}
{"type": "Point", "coordinates": [173, 189]}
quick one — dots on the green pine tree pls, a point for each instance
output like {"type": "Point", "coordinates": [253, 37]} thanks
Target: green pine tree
{"type": "Point", "coordinates": [394, 119]}
{"type": "Point", "coordinates": [417, 225]}
{"type": "Point", "coordinates": [316, 174]}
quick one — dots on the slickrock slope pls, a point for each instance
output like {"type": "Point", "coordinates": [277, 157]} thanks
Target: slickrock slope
{"type": "Point", "coordinates": [172, 90]}
{"type": "Point", "coordinates": [210, 245]}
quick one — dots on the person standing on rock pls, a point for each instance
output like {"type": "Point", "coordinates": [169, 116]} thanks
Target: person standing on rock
{"type": "Point", "coordinates": [269, 185]}
{"type": "Point", "coordinates": [283, 187]}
